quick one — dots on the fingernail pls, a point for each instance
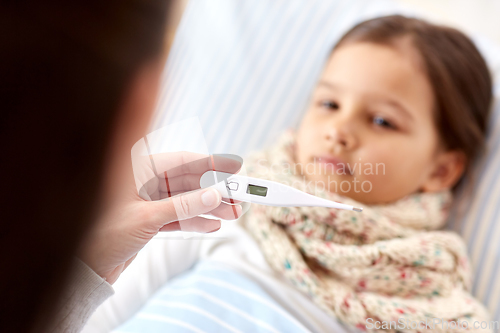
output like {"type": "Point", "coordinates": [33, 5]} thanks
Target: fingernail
{"type": "Point", "coordinates": [213, 230]}
{"type": "Point", "coordinates": [210, 197]}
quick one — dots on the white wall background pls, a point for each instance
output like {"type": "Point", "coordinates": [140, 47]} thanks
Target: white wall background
{"type": "Point", "coordinates": [472, 16]}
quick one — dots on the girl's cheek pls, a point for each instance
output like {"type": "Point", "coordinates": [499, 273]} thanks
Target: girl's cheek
{"type": "Point", "coordinates": [375, 164]}
{"type": "Point", "coordinates": [301, 147]}
{"type": "Point", "coordinates": [310, 121]}
{"type": "Point", "coordinates": [307, 137]}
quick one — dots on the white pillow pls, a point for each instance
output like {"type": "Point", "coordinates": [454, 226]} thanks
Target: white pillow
{"type": "Point", "coordinates": [247, 68]}
{"type": "Point", "coordinates": [477, 216]}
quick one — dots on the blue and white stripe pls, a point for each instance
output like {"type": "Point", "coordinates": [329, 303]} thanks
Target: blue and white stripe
{"type": "Point", "coordinates": [212, 298]}
{"type": "Point", "coordinates": [246, 70]}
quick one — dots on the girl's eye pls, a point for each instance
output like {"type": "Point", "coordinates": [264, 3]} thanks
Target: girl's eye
{"type": "Point", "coordinates": [330, 105]}
{"type": "Point", "coordinates": [380, 121]}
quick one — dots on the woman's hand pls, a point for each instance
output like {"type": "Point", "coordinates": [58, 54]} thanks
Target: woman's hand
{"type": "Point", "coordinates": [167, 197]}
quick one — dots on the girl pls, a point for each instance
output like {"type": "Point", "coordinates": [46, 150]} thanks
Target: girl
{"type": "Point", "coordinates": [395, 120]}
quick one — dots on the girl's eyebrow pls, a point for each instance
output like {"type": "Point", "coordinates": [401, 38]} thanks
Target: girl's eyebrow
{"type": "Point", "coordinates": [391, 102]}
{"type": "Point", "coordinates": [398, 106]}
{"type": "Point", "coordinates": [328, 85]}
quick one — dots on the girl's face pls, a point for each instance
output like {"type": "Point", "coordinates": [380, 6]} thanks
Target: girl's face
{"type": "Point", "coordinates": [369, 132]}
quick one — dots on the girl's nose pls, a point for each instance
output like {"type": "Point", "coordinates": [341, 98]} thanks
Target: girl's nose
{"type": "Point", "coordinates": [340, 133]}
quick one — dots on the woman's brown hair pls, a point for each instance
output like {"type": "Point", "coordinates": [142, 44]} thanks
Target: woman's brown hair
{"type": "Point", "coordinates": [458, 74]}
{"type": "Point", "coordinates": [64, 69]}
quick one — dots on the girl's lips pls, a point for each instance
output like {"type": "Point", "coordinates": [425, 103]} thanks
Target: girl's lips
{"type": "Point", "coordinates": [331, 163]}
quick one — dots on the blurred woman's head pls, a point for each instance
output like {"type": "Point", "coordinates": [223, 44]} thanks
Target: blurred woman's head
{"type": "Point", "coordinates": [72, 77]}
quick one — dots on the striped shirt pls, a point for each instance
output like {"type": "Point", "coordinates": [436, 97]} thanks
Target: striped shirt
{"type": "Point", "coordinates": [212, 298]}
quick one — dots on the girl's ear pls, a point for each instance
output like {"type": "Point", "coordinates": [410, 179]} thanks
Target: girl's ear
{"type": "Point", "coordinates": [448, 168]}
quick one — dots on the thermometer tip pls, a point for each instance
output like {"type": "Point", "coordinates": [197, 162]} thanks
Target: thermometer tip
{"type": "Point", "coordinates": [357, 209]}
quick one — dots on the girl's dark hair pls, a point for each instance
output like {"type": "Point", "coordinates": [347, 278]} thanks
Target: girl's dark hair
{"type": "Point", "coordinates": [64, 69]}
{"type": "Point", "coordinates": [458, 73]}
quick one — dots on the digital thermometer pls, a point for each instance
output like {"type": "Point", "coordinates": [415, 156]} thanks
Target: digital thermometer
{"type": "Point", "coordinates": [264, 192]}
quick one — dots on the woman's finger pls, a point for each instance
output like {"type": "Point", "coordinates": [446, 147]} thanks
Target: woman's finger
{"type": "Point", "coordinates": [172, 226]}
{"type": "Point", "coordinates": [183, 183]}
{"type": "Point", "coordinates": [181, 163]}
{"type": "Point", "coordinates": [227, 212]}
{"type": "Point", "coordinates": [161, 171]}
{"type": "Point", "coordinates": [231, 201]}
{"type": "Point", "coordinates": [166, 195]}
{"type": "Point", "coordinates": [195, 224]}
{"type": "Point", "coordinates": [182, 207]}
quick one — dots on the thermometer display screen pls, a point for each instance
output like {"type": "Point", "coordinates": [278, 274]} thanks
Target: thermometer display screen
{"type": "Point", "coordinates": [257, 190]}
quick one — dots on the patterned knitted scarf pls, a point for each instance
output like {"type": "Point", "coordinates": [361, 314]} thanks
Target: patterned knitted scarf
{"type": "Point", "coordinates": [388, 263]}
